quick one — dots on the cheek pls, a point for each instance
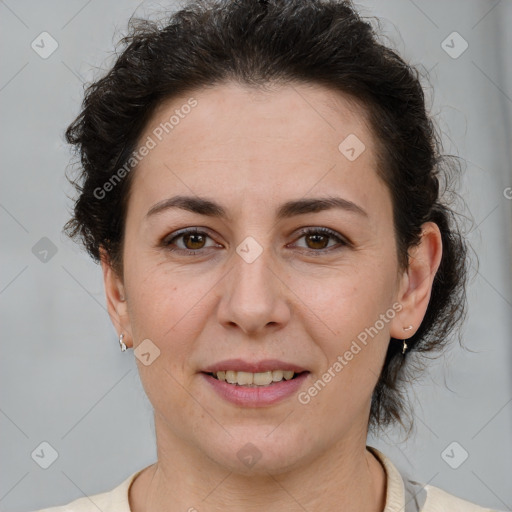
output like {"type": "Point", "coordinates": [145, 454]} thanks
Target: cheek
{"type": "Point", "coordinates": [345, 301]}
{"type": "Point", "coordinates": [164, 302]}
{"type": "Point", "coordinates": [166, 309]}
{"type": "Point", "coordinates": [348, 328]}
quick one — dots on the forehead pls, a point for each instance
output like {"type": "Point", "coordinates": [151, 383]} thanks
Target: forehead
{"type": "Point", "coordinates": [237, 138]}
{"type": "Point", "coordinates": [283, 114]}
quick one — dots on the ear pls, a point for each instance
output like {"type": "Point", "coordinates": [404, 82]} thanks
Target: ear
{"type": "Point", "coordinates": [117, 305]}
{"type": "Point", "coordinates": [415, 285]}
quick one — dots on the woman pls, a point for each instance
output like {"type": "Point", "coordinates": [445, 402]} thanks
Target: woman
{"type": "Point", "coordinates": [260, 182]}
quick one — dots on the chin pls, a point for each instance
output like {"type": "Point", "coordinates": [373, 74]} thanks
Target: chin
{"type": "Point", "coordinates": [258, 453]}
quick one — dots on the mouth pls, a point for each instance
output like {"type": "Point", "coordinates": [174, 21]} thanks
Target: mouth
{"type": "Point", "coordinates": [250, 383]}
{"type": "Point", "coordinates": [246, 389]}
{"type": "Point", "coordinates": [254, 380]}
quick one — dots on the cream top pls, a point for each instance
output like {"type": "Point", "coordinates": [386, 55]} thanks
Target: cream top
{"type": "Point", "coordinates": [401, 496]}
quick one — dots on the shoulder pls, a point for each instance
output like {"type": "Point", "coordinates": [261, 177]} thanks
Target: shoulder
{"type": "Point", "coordinates": [115, 500]}
{"type": "Point", "coordinates": [95, 502]}
{"type": "Point", "coordinates": [438, 500]}
{"type": "Point", "coordinates": [406, 495]}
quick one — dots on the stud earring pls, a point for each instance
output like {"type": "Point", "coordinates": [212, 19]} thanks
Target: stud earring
{"type": "Point", "coordinates": [404, 348]}
{"type": "Point", "coordinates": [122, 343]}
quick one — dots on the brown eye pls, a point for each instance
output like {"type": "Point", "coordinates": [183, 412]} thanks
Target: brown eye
{"type": "Point", "coordinates": [188, 241]}
{"type": "Point", "coordinates": [318, 240]}
{"type": "Point", "coordinates": [194, 241]}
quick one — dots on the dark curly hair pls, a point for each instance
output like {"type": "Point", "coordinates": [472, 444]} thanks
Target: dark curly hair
{"type": "Point", "coordinates": [325, 42]}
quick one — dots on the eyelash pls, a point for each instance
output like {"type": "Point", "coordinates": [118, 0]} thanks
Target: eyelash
{"type": "Point", "coordinates": [167, 242]}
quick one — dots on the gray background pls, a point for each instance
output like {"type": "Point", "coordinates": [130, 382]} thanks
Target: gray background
{"type": "Point", "coordinates": [64, 380]}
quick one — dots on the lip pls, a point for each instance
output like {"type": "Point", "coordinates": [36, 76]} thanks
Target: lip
{"type": "Point", "coordinates": [239, 365]}
{"type": "Point", "coordinates": [261, 396]}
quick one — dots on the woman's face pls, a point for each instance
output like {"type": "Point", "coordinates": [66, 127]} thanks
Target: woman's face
{"type": "Point", "coordinates": [251, 285]}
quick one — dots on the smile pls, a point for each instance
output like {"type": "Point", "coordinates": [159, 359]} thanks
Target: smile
{"type": "Point", "coordinates": [244, 390]}
{"type": "Point", "coordinates": [249, 379]}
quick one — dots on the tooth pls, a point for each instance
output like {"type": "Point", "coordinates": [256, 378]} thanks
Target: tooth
{"type": "Point", "coordinates": [262, 379]}
{"type": "Point", "coordinates": [243, 378]}
{"type": "Point", "coordinates": [254, 379]}
{"type": "Point", "coordinates": [277, 375]}
{"type": "Point", "coordinates": [231, 377]}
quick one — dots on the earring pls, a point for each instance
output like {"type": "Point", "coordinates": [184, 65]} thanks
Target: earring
{"type": "Point", "coordinates": [404, 348]}
{"type": "Point", "coordinates": [122, 343]}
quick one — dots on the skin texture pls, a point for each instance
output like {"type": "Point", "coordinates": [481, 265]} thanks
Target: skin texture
{"type": "Point", "coordinates": [300, 301]}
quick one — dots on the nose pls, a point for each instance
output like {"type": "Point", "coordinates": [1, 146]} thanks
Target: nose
{"type": "Point", "coordinates": [254, 298]}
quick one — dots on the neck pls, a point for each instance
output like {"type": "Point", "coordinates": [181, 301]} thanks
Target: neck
{"type": "Point", "coordinates": [346, 477]}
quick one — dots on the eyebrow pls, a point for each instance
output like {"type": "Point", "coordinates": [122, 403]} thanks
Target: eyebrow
{"type": "Point", "coordinates": [289, 209]}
